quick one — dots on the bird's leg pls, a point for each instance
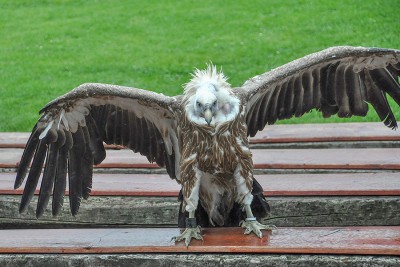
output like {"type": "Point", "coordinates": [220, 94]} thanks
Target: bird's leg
{"type": "Point", "coordinates": [252, 225]}
{"type": "Point", "coordinates": [192, 230]}
{"type": "Point", "coordinates": [244, 184]}
{"type": "Point", "coordinates": [191, 192]}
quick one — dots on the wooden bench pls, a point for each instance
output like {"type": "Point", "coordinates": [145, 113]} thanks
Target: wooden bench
{"type": "Point", "coordinates": [334, 191]}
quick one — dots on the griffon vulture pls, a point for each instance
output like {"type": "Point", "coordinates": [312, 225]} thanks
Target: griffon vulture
{"type": "Point", "coordinates": [200, 137]}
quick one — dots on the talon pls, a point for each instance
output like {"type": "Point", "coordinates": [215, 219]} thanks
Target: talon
{"type": "Point", "coordinates": [251, 225]}
{"type": "Point", "coordinates": [188, 234]}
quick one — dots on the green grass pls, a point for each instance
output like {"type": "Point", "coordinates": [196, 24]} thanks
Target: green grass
{"type": "Point", "coordinates": [49, 47]}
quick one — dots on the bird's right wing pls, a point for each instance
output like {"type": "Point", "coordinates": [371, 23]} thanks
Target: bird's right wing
{"type": "Point", "coordinates": [68, 139]}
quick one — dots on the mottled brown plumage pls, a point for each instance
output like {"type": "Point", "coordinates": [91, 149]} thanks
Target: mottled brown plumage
{"type": "Point", "coordinates": [218, 151]}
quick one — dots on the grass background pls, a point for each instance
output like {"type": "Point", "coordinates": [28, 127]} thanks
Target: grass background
{"type": "Point", "coordinates": [49, 47]}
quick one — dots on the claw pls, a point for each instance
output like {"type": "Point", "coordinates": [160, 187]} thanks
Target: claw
{"type": "Point", "coordinates": [251, 225]}
{"type": "Point", "coordinates": [188, 234]}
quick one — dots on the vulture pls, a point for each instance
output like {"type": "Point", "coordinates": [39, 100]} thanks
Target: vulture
{"type": "Point", "coordinates": [201, 136]}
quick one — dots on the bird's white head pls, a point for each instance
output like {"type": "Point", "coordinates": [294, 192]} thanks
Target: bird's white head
{"type": "Point", "coordinates": [209, 98]}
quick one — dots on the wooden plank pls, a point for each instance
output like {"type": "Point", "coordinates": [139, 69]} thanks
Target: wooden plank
{"type": "Point", "coordinates": [324, 132]}
{"type": "Point", "coordinates": [140, 211]}
{"type": "Point", "coordinates": [313, 240]}
{"type": "Point", "coordinates": [338, 184]}
{"type": "Point", "coordinates": [354, 158]}
{"type": "Point", "coordinates": [13, 139]}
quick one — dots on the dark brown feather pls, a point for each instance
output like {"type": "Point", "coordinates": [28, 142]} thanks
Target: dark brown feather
{"type": "Point", "coordinates": [316, 89]}
{"type": "Point", "coordinates": [46, 188]}
{"type": "Point", "coordinates": [87, 165]}
{"type": "Point", "coordinates": [257, 112]}
{"type": "Point", "coordinates": [329, 105]}
{"type": "Point", "coordinates": [356, 93]}
{"type": "Point", "coordinates": [95, 141]}
{"type": "Point", "coordinates": [271, 109]}
{"type": "Point", "coordinates": [34, 174]}
{"type": "Point", "coordinates": [308, 97]}
{"type": "Point", "coordinates": [289, 97]}
{"type": "Point", "coordinates": [27, 156]}
{"type": "Point", "coordinates": [298, 97]}
{"type": "Point", "coordinates": [124, 129]}
{"type": "Point", "coordinates": [75, 174]}
{"type": "Point", "coordinates": [264, 104]}
{"type": "Point", "coordinates": [60, 181]}
{"type": "Point", "coordinates": [378, 100]}
{"type": "Point", "coordinates": [342, 98]}
{"type": "Point", "coordinates": [384, 79]}
{"type": "Point", "coordinates": [134, 131]}
{"type": "Point", "coordinates": [116, 124]}
{"type": "Point", "coordinates": [61, 173]}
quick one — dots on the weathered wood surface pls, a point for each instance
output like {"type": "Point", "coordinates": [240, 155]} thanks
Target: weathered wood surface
{"type": "Point", "coordinates": [288, 133]}
{"type": "Point", "coordinates": [367, 159]}
{"type": "Point", "coordinates": [314, 184]}
{"type": "Point", "coordinates": [196, 260]}
{"type": "Point", "coordinates": [163, 211]}
{"type": "Point", "coordinates": [372, 240]}
{"type": "Point", "coordinates": [326, 132]}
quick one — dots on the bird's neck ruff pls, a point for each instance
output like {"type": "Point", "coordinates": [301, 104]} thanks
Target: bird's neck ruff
{"type": "Point", "coordinates": [209, 84]}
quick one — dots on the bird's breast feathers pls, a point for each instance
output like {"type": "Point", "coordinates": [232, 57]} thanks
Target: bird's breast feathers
{"type": "Point", "coordinates": [217, 149]}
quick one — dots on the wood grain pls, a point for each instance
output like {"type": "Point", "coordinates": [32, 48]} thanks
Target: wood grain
{"type": "Point", "coordinates": [313, 184]}
{"type": "Point", "coordinates": [314, 240]}
{"type": "Point", "coordinates": [354, 158]}
{"type": "Point", "coordinates": [140, 211]}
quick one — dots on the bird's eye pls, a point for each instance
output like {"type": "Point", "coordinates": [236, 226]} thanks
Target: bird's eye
{"type": "Point", "coordinates": [214, 103]}
{"type": "Point", "coordinates": [198, 104]}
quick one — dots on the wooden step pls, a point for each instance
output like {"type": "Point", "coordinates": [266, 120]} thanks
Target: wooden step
{"type": "Point", "coordinates": [367, 159]}
{"type": "Point", "coordinates": [296, 199]}
{"type": "Point", "coordinates": [325, 132]}
{"type": "Point", "coordinates": [340, 199]}
{"type": "Point", "coordinates": [313, 240]}
{"type": "Point", "coordinates": [140, 211]}
{"type": "Point", "coordinates": [322, 184]}
{"type": "Point", "coordinates": [286, 133]}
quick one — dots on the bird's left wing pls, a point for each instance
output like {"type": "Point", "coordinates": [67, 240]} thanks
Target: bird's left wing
{"type": "Point", "coordinates": [338, 80]}
{"type": "Point", "coordinates": [68, 139]}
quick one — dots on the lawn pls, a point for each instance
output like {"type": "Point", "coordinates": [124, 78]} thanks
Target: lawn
{"type": "Point", "coordinates": [49, 47]}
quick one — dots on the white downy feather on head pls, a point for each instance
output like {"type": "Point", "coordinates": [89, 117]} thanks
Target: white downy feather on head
{"type": "Point", "coordinates": [209, 98]}
{"type": "Point", "coordinates": [207, 78]}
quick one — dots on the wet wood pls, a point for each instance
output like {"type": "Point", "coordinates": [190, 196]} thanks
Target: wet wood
{"type": "Point", "coordinates": [320, 184]}
{"type": "Point", "coordinates": [368, 159]}
{"type": "Point", "coordinates": [314, 240]}
{"type": "Point", "coordinates": [325, 132]}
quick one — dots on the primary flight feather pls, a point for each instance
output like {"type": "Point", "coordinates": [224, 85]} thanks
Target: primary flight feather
{"type": "Point", "coordinates": [200, 137]}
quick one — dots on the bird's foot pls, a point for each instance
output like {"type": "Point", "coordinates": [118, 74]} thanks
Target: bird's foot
{"type": "Point", "coordinates": [252, 225]}
{"type": "Point", "coordinates": [188, 234]}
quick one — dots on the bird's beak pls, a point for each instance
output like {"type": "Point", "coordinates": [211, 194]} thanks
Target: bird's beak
{"type": "Point", "coordinates": [208, 116]}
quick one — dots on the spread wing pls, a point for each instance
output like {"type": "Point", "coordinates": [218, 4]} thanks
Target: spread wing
{"type": "Point", "coordinates": [338, 80]}
{"type": "Point", "coordinates": [68, 139]}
